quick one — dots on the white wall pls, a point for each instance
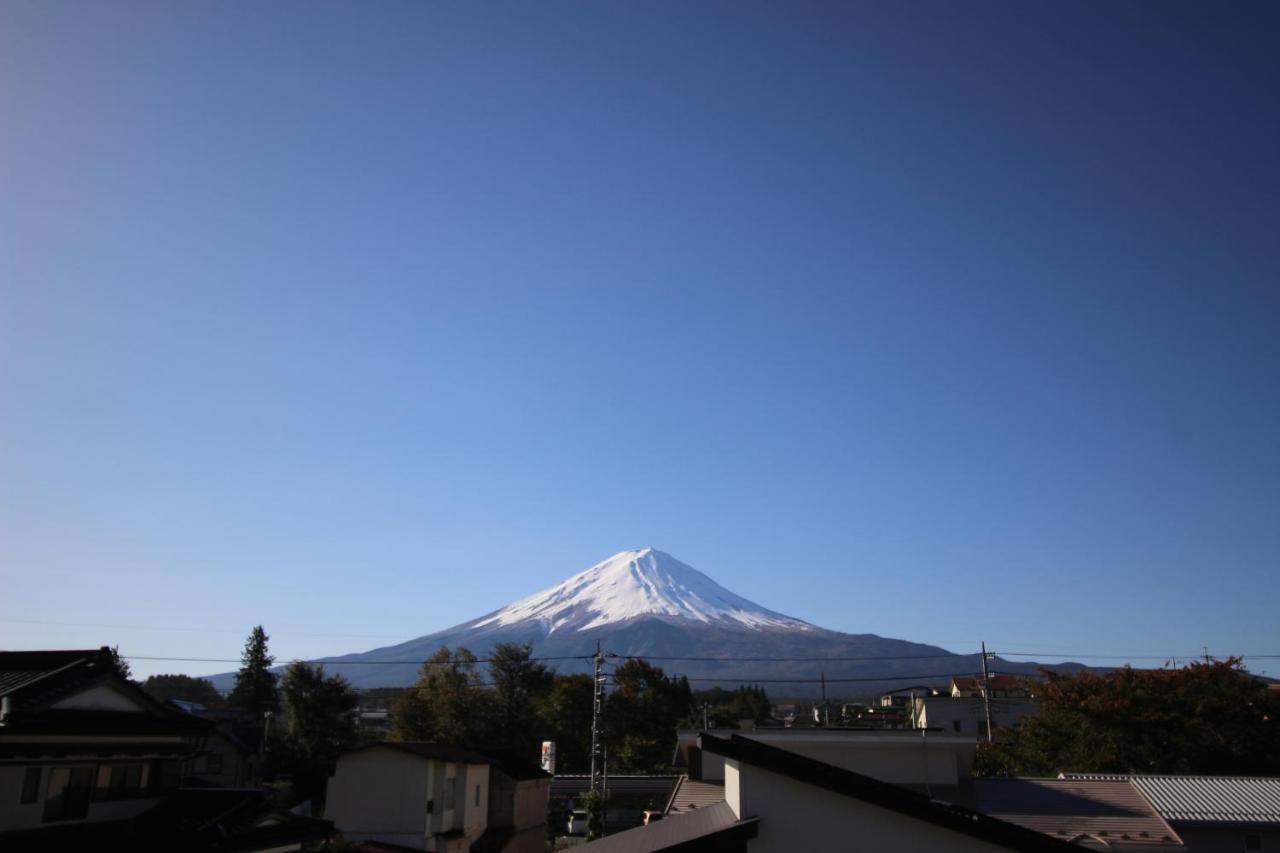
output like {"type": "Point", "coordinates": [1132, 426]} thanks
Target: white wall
{"type": "Point", "coordinates": [380, 795]}
{"type": "Point", "coordinates": [15, 815]}
{"type": "Point", "coordinates": [795, 816]}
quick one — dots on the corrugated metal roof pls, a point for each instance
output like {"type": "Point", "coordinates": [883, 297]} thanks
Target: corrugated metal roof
{"type": "Point", "coordinates": [1208, 799]}
{"type": "Point", "coordinates": [1111, 813]}
{"type": "Point", "coordinates": [690, 794]}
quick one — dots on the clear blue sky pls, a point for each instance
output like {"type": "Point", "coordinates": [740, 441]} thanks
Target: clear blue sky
{"type": "Point", "coordinates": [947, 322]}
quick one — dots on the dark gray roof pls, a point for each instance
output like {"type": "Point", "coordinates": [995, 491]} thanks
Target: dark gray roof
{"type": "Point", "coordinates": [828, 777]}
{"type": "Point", "coordinates": [1109, 812]}
{"type": "Point", "coordinates": [676, 831]}
{"type": "Point", "coordinates": [1207, 799]}
{"type": "Point", "coordinates": [433, 751]}
{"type": "Point", "coordinates": [20, 669]}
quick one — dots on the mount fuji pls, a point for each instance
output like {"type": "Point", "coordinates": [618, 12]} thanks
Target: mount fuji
{"type": "Point", "coordinates": [646, 603]}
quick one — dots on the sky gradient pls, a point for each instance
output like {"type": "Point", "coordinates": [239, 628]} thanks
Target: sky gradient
{"type": "Point", "coordinates": [358, 321]}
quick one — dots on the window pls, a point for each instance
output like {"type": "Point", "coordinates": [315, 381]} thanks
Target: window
{"type": "Point", "coordinates": [30, 786]}
{"type": "Point", "coordinates": [68, 794]}
{"type": "Point", "coordinates": [1252, 842]}
{"type": "Point", "coordinates": [120, 782]}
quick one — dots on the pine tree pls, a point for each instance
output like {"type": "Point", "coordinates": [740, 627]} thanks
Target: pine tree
{"type": "Point", "coordinates": [255, 682]}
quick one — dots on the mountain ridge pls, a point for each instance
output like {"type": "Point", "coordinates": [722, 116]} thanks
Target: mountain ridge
{"type": "Point", "coordinates": [646, 603]}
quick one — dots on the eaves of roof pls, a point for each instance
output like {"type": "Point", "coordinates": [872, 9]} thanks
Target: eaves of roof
{"type": "Point", "coordinates": [856, 786]}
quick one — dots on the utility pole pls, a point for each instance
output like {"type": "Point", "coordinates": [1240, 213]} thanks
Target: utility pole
{"type": "Point", "coordinates": [706, 709]}
{"type": "Point", "coordinates": [597, 727]}
{"type": "Point", "coordinates": [1207, 659]}
{"type": "Point", "coordinates": [826, 714]}
{"type": "Point", "coordinates": [986, 691]}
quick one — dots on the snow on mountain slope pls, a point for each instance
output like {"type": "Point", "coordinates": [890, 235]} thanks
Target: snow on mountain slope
{"type": "Point", "coordinates": [632, 584]}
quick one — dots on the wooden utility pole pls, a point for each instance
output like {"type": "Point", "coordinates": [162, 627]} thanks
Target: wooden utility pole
{"type": "Point", "coordinates": [986, 691]}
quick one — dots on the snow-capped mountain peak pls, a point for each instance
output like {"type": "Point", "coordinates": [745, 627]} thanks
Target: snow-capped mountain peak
{"type": "Point", "coordinates": [632, 584]}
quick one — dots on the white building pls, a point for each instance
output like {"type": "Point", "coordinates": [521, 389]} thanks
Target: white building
{"type": "Point", "coordinates": [429, 796]}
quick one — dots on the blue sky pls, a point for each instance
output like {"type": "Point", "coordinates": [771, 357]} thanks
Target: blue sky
{"type": "Point", "coordinates": [949, 323]}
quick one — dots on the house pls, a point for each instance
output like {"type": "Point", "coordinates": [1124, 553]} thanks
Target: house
{"type": "Point", "coordinates": [1097, 814]}
{"type": "Point", "coordinates": [518, 794]}
{"type": "Point", "coordinates": [430, 796]}
{"type": "Point", "coordinates": [419, 795]}
{"type": "Point", "coordinates": [231, 754]}
{"type": "Point", "coordinates": [89, 760]}
{"type": "Point", "coordinates": [937, 764]}
{"type": "Point", "coordinates": [81, 744]}
{"type": "Point", "coordinates": [779, 800]}
{"type": "Point", "coordinates": [1000, 686]}
{"type": "Point", "coordinates": [968, 716]}
{"type": "Point", "coordinates": [1211, 813]}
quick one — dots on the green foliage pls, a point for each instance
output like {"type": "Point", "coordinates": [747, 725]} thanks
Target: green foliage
{"type": "Point", "coordinates": [1206, 718]}
{"type": "Point", "coordinates": [565, 712]}
{"type": "Point", "coordinates": [256, 687]}
{"type": "Point", "coordinates": [121, 665]}
{"type": "Point", "coordinates": [641, 716]}
{"type": "Point", "coordinates": [162, 688]}
{"type": "Point", "coordinates": [557, 817]}
{"type": "Point", "coordinates": [447, 704]}
{"type": "Point", "coordinates": [725, 708]}
{"type": "Point", "coordinates": [319, 725]}
{"type": "Point", "coordinates": [519, 687]}
{"type": "Point", "coordinates": [593, 805]}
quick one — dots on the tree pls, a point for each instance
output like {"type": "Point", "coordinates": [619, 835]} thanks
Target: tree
{"type": "Point", "coordinates": [121, 664]}
{"type": "Point", "coordinates": [200, 690]}
{"type": "Point", "coordinates": [593, 805]}
{"type": "Point", "coordinates": [446, 704]}
{"type": "Point", "coordinates": [255, 687]}
{"type": "Point", "coordinates": [1206, 718]}
{"type": "Point", "coordinates": [566, 719]}
{"type": "Point", "coordinates": [519, 686]}
{"type": "Point", "coordinates": [319, 725]}
{"type": "Point", "coordinates": [641, 717]}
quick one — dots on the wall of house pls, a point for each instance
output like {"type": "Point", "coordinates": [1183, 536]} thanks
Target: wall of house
{"type": "Point", "coordinates": [380, 795]}
{"type": "Point", "coordinates": [469, 814]}
{"type": "Point", "coordinates": [1226, 840]}
{"type": "Point", "coordinates": [236, 767]}
{"type": "Point", "coordinates": [14, 814]}
{"type": "Point", "coordinates": [795, 816]}
{"type": "Point", "coordinates": [968, 716]}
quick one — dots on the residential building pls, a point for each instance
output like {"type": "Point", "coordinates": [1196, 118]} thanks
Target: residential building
{"type": "Point", "coordinates": [779, 800]}
{"type": "Point", "coordinates": [430, 796]}
{"type": "Point", "coordinates": [422, 796]}
{"type": "Point", "coordinates": [1098, 814]}
{"type": "Point", "coordinates": [963, 715]}
{"type": "Point", "coordinates": [79, 743]}
{"type": "Point", "coordinates": [1212, 814]}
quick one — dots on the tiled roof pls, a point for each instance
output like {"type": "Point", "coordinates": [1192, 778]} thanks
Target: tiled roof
{"type": "Point", "coordinates": [676, 831]}
{"type": "Point", "coordinates": [1109, 812]}
{"type": "Point", "coordinates": [1208, 799]}
{"type": "Point", "coordinates": [689, 795]}
{"type": "Point", "coordinates": [20, 669]}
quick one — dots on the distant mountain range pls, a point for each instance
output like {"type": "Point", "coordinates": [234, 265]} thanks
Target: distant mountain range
{"type": "Point", "coordinates": [646, 603]}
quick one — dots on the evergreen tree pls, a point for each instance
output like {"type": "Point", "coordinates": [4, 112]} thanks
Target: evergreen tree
{"type": "Point", "coordinates": [255, 682]}
{"type": "Point", "coordinates": [641, 717]}
{"type": "Point", "coordinates": [165, 687]}
{"type": "Point", "coordinates": [121, 664]}
{"type": "Point", "coordinates": [319, 725]}
{"type": "Point", "coordinates": [566, 719]}
{"type": "Point", "coordinates": [519, 687]}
